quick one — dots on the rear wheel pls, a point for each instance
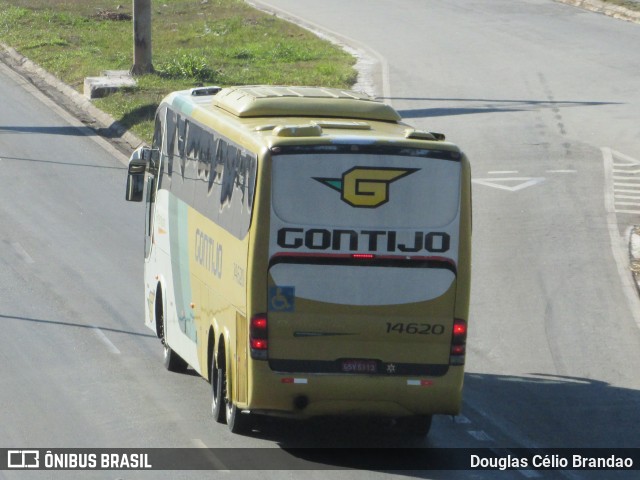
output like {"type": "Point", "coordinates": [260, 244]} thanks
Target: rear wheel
{"type": "Point", "coordinates": [219, 392]}
{"type": "Point", "coordinates": [223, 409]}
{"type": "Point", "coordinates": [237, 421]}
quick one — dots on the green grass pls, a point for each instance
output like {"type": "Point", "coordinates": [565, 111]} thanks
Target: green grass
{"type": "Point", "coordinates": [625, 3]}
{"type": "Point", "coordinates": [195, 42]}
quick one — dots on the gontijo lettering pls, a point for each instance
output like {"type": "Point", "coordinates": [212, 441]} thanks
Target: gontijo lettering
{"type": "Point", "coordinates": [373, 240]}
{"type": "Point", "coordinates": [208, 253]}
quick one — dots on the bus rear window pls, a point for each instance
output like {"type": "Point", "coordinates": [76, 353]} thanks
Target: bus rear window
{"type": "Point", "coordinates": [365, 190]}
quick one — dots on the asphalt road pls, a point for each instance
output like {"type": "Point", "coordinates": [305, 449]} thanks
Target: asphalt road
{"type": "Point", "coordinates": [543, 98]}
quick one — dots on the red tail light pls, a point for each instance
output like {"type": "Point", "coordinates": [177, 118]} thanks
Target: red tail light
{"type": "Point", "coordinates": [258, 335]}
{"type": "Point", "coordinates": [458, 342]}
{"type": "Point", "coordinates": [363, 256]}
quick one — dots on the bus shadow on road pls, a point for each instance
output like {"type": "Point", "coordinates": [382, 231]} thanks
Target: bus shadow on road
{"type": "Point", "coordinates": [555, 411]}
{"type": "Point", "coordinates": [527, 413]}
{"type": "Point", "coordinates": [469, 106]}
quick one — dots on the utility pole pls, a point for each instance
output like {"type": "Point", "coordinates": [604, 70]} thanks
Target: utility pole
{"type": "Point", "coordinates": [141, 37]}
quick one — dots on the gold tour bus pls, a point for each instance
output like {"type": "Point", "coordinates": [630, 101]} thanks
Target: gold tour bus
{"type": "Point", "coordinates": [307, 253]}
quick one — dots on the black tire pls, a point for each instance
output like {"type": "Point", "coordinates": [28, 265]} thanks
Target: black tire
{"type": "Point", "coordinates": [223, 410]}
{"type": "Point", "coordinates": [417, 425]}
{"type": "Point", "coordinates": [237, 421]}
{"type": "Point", "coordinates": [172, 361]}
{"type": "Point", "coordinates": [218, 390]}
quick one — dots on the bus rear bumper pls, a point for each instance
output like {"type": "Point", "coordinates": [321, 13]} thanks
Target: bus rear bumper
{"type": "Point", "coordinates": [310, 395]}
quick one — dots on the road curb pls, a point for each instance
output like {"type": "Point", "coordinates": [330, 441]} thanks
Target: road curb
{"type": "Point", "coordinates": [103, 123]}
{"type": "Point", "coordinates": [634, 255]}
{"type": "Point", "coordinates": [615, 11]}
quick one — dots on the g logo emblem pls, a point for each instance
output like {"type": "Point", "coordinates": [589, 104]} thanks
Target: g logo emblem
{"type": "Point", "coordinates": [366, 187]}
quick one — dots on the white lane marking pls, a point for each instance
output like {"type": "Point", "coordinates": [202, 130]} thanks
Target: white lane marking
{"type": "Point", "coordinates": [624, 190]}
{"type": "Point", "coordinates": [502, 172]}
{"type": "Point", "coordinates": [618, 247]}
{"type": "Point", "coordinates": [625, 182]}
{"type": "Point", "coordinates": [524, 472]}
{"type": "Point", "coordinates": [529, 473]}
{"type": "Point", "coordinates": [198, 443]}
{"type": "Point", "coordinates": [480, 435]}
{"type": "Point", "coordinates": [112, 348]}
{"type": "Point", "coordinates": [510, 184]}
{"type": "Point", "coordinates": [22, 253]}
{"type": "Point", "coordinates": [216, 462]}
{"type": "Point", "coordinates": [562, 171]}
{"type": "Point", "coordinates": [624, 177]}
{"type": "Point", "coordinates": [461, 419]}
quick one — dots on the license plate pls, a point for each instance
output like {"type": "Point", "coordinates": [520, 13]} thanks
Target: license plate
{"type": "Point", "coordinates": [359, 366]}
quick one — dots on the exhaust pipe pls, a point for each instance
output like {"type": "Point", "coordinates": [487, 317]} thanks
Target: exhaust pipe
{"type": "Point", "coordinates": [300, 402]}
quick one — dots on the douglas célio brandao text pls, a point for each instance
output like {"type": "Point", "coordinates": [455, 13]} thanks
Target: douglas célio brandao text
{"type": "Point", "coordinates": [551, 461]}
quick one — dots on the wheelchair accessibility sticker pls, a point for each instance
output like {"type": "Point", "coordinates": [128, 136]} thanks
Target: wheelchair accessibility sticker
{"type": "Point", "coordinates": [282, 299]}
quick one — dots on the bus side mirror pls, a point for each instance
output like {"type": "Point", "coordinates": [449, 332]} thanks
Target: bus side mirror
{"type": "Point", "coordinates": [135, 187]}
{"type": "Point", "coordinates": [138, 166]}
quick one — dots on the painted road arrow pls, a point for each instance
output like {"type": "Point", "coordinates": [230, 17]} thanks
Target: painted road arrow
{"type": "Point", "coordinates": [511, 184]}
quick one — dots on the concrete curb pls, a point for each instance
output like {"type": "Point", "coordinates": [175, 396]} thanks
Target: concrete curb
{"type": "Point", "coordinates": [634, 255]}
{"type": "Point", "coordinates": [615, 11]}
{"type": "Point", "coordinates": [103, 123]}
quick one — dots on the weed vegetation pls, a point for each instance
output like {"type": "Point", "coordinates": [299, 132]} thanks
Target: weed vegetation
{"type": "Point", "coordinates": [195, 42]}
{"type": "Point", "coordinates": [630, 4]}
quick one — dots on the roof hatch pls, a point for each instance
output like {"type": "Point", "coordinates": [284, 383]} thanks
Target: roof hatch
{"type": "Point", "coordinates": [268, 101]}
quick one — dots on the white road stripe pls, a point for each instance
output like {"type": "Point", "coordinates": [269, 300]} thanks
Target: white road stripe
{"type": "Point", "coordinates": [22, 253]}
{"type": "Point", "coordinates": [461, 419]}
{"type": "Point", "coordinates": [620, 184]}
{"type": "Point", "coordinates": [511, 184]}
{"type": "Point", "coordinates": [619, 245]}
{"type": "Point", "coordinates": [624, 190]}
{"type": "Point", "coordinates": [112, 348]}
{"type": "Point", "coordinates": [562, 171]}
{"type": "Point", "coordinates": [219, 466]}
{"type": "Point", "coordinates": [626, 178]}
{"type": "Point", "coordinates": [480, 435]}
